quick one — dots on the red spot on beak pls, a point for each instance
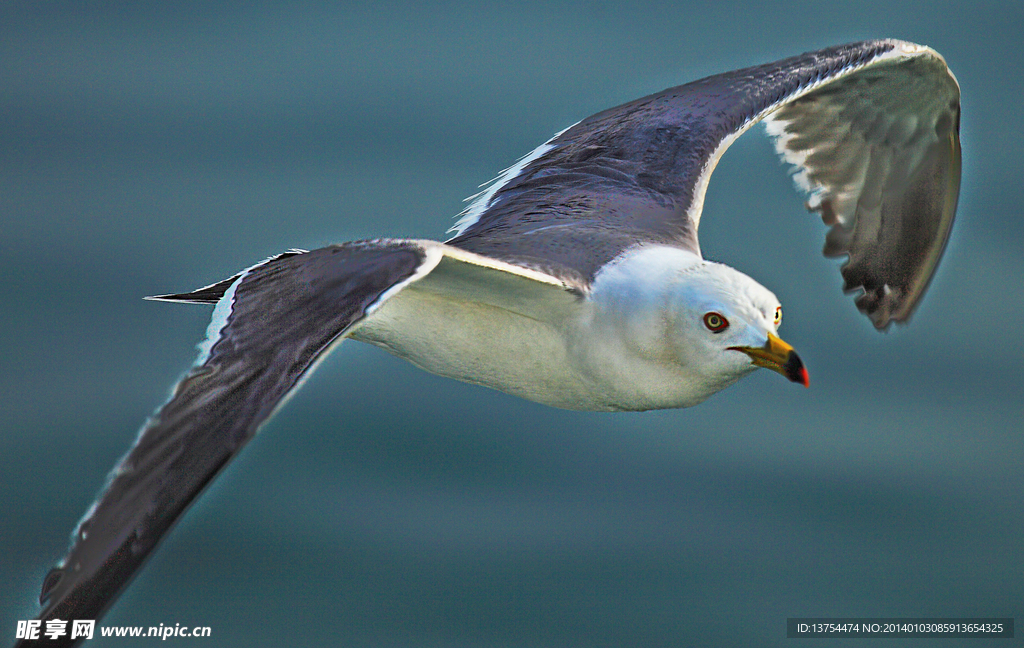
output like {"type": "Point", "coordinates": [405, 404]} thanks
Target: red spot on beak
{"type": "Point", "coordinates": [804, 378]}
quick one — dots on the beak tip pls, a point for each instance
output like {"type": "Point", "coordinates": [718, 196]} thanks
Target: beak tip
{"type": "Point", "coordinates": [796, 371]}
{"type": "Point", "coordinates": [779, 357]}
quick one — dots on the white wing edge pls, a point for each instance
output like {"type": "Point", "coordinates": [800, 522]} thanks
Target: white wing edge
{"type": "Point", "coordinates": [482, 199]}
{"type": "Point", "coordinates": [903, 50]}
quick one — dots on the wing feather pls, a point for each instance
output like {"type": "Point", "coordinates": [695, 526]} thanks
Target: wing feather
{"type": "Point", "coordinates": [282, 316]}
{"type": "Point", "coordinates": [878, 149]}
{"type": "Point", "coordinates": [871, 127]}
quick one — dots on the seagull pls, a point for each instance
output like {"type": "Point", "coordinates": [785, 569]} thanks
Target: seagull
{"type": "Point", "coordinates": [574, 279]}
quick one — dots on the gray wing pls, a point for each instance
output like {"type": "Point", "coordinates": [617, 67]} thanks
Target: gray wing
{"type": "Point", "coordinates": [873, 128]}
{"type": "Point", "coordinates": [271, 324]}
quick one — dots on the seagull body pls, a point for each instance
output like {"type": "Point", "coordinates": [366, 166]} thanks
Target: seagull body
{"type": "Point", "coordinates": [619, 348]}
{"type": "Point", "coordinates": [575, 279]}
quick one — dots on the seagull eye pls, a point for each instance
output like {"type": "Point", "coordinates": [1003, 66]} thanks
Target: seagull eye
{"type": "Point", "coordinates": [778, 315]}
{"type": "Point", "coordinates": [715, 322]}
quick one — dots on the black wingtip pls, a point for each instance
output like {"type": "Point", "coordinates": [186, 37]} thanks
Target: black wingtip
{"type": "Point", "coordinates": [207, 295]}
{"type": "Point", "coordinates": [50, 583]}
{"type": "Point", "coordinates": [212, 294]}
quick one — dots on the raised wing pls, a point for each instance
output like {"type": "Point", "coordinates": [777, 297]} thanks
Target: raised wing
{"type": "Point", "coordinates": [879, 151]}
{"type": "Point", "coordinates": [272, 323]}
{"type": "Point", "coordinates": [872, 126]}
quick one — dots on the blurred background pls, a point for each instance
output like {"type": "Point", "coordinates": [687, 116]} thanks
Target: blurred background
{"type": "Point", "coordinates": [149, 148]}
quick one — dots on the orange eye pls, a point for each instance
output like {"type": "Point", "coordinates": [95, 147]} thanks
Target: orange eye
{"type": "Point", "coordinates": [778, 315]}
{"type": "Point", "coordinates": [715, 322]}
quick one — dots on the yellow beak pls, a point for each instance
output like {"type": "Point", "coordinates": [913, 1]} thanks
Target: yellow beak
{"type": "Point", "coordinates": [777, 356]}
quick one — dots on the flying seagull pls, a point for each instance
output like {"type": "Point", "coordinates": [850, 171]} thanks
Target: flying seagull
{"type": "Point", "coordinates": [574, 279]}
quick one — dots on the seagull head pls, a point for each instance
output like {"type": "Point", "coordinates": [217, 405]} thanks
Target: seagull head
{"type": "Point", "coordinates": [669, 329]}
{"type": "Point", "coordinates": [726, 325]}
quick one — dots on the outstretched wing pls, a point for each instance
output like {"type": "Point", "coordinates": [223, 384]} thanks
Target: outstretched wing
{"type": "Point", "coordinates": [271, 324]}
{"type": "Point", "coordinates": [873, 128]}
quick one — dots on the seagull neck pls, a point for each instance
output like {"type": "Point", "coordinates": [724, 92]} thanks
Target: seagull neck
{"type": "Point", "coordinates": [623, 343]}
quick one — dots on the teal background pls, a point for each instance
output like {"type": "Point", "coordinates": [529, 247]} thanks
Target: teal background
{"type": "Point", "coordinates": [154, 148]}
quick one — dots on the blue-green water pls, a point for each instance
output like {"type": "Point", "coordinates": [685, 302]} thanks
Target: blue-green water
{"type": "Point", "coordinates": [151, 150]}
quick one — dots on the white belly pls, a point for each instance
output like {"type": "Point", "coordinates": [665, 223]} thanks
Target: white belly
{"type": "Point", "coordinates": [495, 326]}
{"type": "Point", "coordinates": [482, 344]}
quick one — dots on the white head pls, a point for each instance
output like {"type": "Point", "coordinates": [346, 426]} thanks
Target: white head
{"type": "Point", "coordinates": [672, 329]}
{"type": "Point", "coordinates": [726, 325]}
